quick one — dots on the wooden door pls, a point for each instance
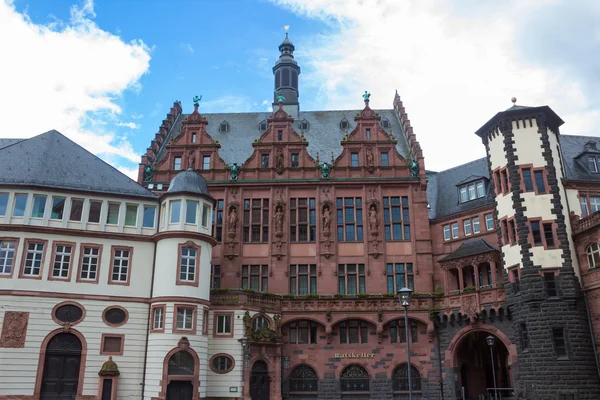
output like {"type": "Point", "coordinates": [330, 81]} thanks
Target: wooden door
{"type": "Point", "coordinates": [61, 368]}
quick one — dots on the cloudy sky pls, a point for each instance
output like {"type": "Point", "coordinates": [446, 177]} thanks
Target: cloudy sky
{"type": "Point", "coordinates": [105, 73]}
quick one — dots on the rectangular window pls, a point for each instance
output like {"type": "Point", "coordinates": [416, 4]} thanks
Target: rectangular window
{"type": "Point", "coordinates": [295, 160]}
{"type": "Point", "coordinates": [549, 235]}
{"type": "Point", "coordinates": [177, 163]}
{"type": "Point", "coordinates": [175, 212]}
{"type": "Point", "coordinates": [516, 278]}
{"type": "Point", "coordinates": [206, 162]}
{"type": "Point", "coordinates": [446, 229]}
{"type": "Point", "coordinates": [396, 218]}
{"type": "Point", "coordinates": [33, 258]}
{"type": "Point", "coordinates": [489, 222]}
{"type": "Point", "coordinates": [385, 161]}
{"type": "Point", "coordinates": [62, 261]}
{"type": "Point", "coordinates": [303, 220]}
{"type": "Point", "coordinates": [593, 164]}
{"type": "Point", "coordinates": [550, 282]}
{"type": "Point", "coordinates": [90, 262]}
{"type": "Point", "coordinates": [351, 279]}
{"type": "Point", "coordinates": [205, 210]}
{"type": "Point", "coordinates": [464, 194]}
{"type": "Point", "coordinates": [476, 225]}
{"type": "Point", "coordinates": [3, 203]}
{"type": "Point", "coordinates": [20, 204]}
{"type": "Point", "coordinates": [121, 263]}
{"type": "Point", "coordinates": [39, 206]}
{"type": "Point", "coordinates": [472, 191]}
{"type": "Point", "coordinates": [354, 332]}
{"type": "Point", "coordinates": [113, 213]}
{"type": "Point", "coordinates": [76, 210]}
{"type": "Point", "coordinates": [112, 344]}
{"type": "Point", "coordinates": [303, 279]}
{"type": "Point", "coordinates": [193, 137]}
{"type": "Point", "coordinates": [218, 221]}
{"type": "Point", "coordinates": [467, 227]}
{"type": "Point", "coordinates": [191, 207]}
{"type": "Point", "coordinates": [279, 135]}
{"type": "Point", "coordinates": [131, 215]}
{"type": "Point", "coordinates": [187, 264]}
{"type": "Point", "coordinates": [584, 206]}
{"type": "Point", "coordinates": [398, 332]}
{"type": "Point", "coordinates": [185, 318]}
{"type": "Point", "coordinates": [539, 182]}
{"type": "Point", "coordinates": [368, 132]}
{"type": "Point", "coordinates": [512, 232]}
{"type": "Point", "coordinates": [527, 180]}
{"type": "Point", "coordinates": [536, 233]}
{"type": "Point", "coordinates": [223, 323]}
{"type": "Point", "coordinates": [205, 322]}
{"type": "Point", "coordinates": [524, 336]}
{"type": "Point", "coordinates": [7, 256]}
{"type": "Point", "coordinates": [58, 207]}
{"type": "Point", "coordinates": [216, 277]}
{"type": "Point", "coordinates": [560, 346]}
{"type": "Point", "coordinates": [303, 332]}
{"type": "Point", "coordinates": [264, 161]}
{"type": "Point", "coordinates": [158, 318]}
{"type": "Point", "coordinates": [505, 188]}
{"type": "Point", "coordinates": [256, 220]}
{"type": "Point", "coordinates": [354, 159]}
{"type": "Point", "coordinates": [399, 276]}
{"type": "Point", "coordinates": [255, 277]}
{"type": "Point", "coordinates": [95, 210]}
{"type": "Point", "coordinates": [480, 189]}
{"type": "Point", "coordinates": [505, 232]}
{"type": "Point", "coordinates": [454, 230]}
{"type": "Point", "coordinates": [149, 215]}
{"type": "Point", "coordinates": [594, 204]}
{"type": "Point", "coordinates": [349, 219]}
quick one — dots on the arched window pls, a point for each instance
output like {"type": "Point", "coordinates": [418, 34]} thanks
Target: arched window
{"type": "Point", "coordinates": [286, 77]}
{"type": "Point", "coordinates": [303, 379]}
{"type": "Point", "coordinates": [355, 379]}
{"type": "Point", "coordinates": [593, 253]}
{"type": "Point", "coordinates": [181, 363]}
{"type": "Point", "coordinates": [295, 79]}
{"type": "Point", "coordinates": [224, 126]}
{"type": "Point", "coordinates": [277, 79]}
{"type": "Point", "coordinates": [400, 378]}
{"type": "Point", "coordinates": [259, 323]}
{"type": "Point", "coordinates": [344, 124]}
{"type": "Point", "coordinates": [304, 124]}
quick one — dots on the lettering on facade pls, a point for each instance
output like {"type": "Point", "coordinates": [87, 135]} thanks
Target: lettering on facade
{"type": "Point", "coordinates": [353, 355]}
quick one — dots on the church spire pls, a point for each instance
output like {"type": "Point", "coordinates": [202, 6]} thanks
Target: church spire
{"type": "Point", "coordinates": [286, 71]}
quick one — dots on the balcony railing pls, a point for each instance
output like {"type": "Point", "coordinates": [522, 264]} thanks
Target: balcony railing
{"type": "Point", "coordinates": [472, 300]}
{"type": "Point", "coordinates": [585, 223]}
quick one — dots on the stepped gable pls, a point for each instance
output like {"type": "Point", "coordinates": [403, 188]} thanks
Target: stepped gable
{"type": "Point", "coordinates": [52, 160]}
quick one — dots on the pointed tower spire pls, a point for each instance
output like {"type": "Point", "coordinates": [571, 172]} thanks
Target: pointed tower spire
{"type": "Point", "coordinates": [286, 71]}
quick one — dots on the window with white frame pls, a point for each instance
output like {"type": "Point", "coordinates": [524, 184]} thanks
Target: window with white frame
{"type": "Point", "coordinates": [175, 211]}
{"type": "Point", "coordinates": [454, 230]}
{"type": "Point", "coordinates": [191, 208]}
{"type": "Point", "coordinates": [39, 206]}
{"type": "Point", "coordinates": [3, 203]}
{"type": "Point", "coordinates": [467, 227]}
{"type": "Point", "coordinates": [584, 207]}
{"type": "Point", "coordinates": [177, 163]}
{"type": "Point", "coordinates": [206, 162]}
{"type": "Point", "coordinates": [475, 222]}
{"type": "Point", "coordinates": [472, 191]}
{"type": "Point", "coordinates": [120, 265]}
{"type": "Point", "coordinates": [7, 256]}
{"type": "Point", "coordinates": [89, 263]}
{"type": "Point", "coordinates": [131, 215]}
{"type": "Point", "coordinates": [58, 207]}
{"type": "Point", "coordinates": [223, 322]}
{"type": "Point", "coordinates": [489, 222]}
{"type": "Point", "coordinates": [185, 318]}
{"type": "Point", "coordinates": [205, 211]}
{"type": "Point", "coordinates": [19, 205]}
{"type": "Point", "coordinates": [62, 260]}
{"type": "Point", "coordinates": [158, 318]}
{"type": "Point", "coordinates": [113, 213]}
{"type": "Point", "coordinates": [187, 266]}
{"type": "Point", "coordinates": [594, 163]}
{"type": "Point", "coordinates": [593, 254]}
{"type": "Point", "coordinates": [446, 230]}
{"type": "Point", "coordinates": [33, 258]}
{"type": "Point", "coordinates": [594, 204]}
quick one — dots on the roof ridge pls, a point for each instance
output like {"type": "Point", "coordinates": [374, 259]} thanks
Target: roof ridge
{"type": "Point", "coordinates": [462, 165]}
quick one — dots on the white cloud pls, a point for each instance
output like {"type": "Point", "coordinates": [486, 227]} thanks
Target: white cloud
{"type": "Point", "coordinates": [67, 75]}
{"type": "Point", "coordinates": [137, 115]}
{"type": "Point", "coordinates": [188, 47]}
{"type": "Point", "coordinates": [268, 105]}
{"type": "Point", "coordinates": [130, 125]}
{"type": "Point", "coordinates": [454, 64]}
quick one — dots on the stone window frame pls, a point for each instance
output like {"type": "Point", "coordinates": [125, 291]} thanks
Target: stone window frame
{"type": "Point", "coordinates": [219, 210]}
{"type": "Point", "coordinates": [24, 257]}
{"type": "Point", "coordinates": [501, 181]}
{"type": "Point", "coordinates": [295, 326]}
{"type": "Point", "coordinates": [119, 324]}
{"type": "Point", "coordinates": [216, 316]}
{"type": "Point", "coordinates": [163, 307]}
{"type": "Point", "coordinates": [542, 233]}
{"type": "Point", "coordinates": [112, 353]}
{"type": "Point", "coordinates": [14, 266]}
{"type": "Point", "coordinates": [398, 326]}
{"type": "Point", "coordinates": [177, 157]}
{"type": "Point", "coordinates": [362, 325]}
{"type": "Point", "coordinates": [341, 207]}
{"type": "Point", "coordinates": [511, 275]}
{"type": "Point", "coordinates": [188, 282]}
{"type": "Point", "coordinates": [545, 273]}
{"type": "Point", "coordinates": [221, 372]}
{"type": "Point", "coordinates": [565, 341]}
{"type": "Point", "coordinates": [205, 316]}
{"type": "Point", "coordinates": [192, 330]}
{"type": "Point", "coordinates": [82, 247]}
{"type": "Point", "coordinates": [248, 222]}
{"type": "Point", "coordinates": [405, 223]}
{"type": "Point", "coordinates": [391, 272]}
{"type": "Point", "coordinates": [113, 249]}
{"type": "Point", "coordinates": [265, 156]}
{"type": "Point", "coordinates": [311, 209]}
{"type": "Point", "coordinates": [70, 267]}
{"type": "Point", "coordinates": [311, 273]}
{"type": "Point", "coordinates": [263, 277]}
{"type": "Point", "coordinates": [590, 252]}
{"type": "Point", "coordinates": [204, 157]}
{"type": "Point", "coordinates": [215, 276]}
{"type": "Point", "coordinates": [359, 276]}
{"type": "Point", "coordinates": [68, 303]}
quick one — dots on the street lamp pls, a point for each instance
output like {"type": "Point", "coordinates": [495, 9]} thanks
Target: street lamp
{"type": "Point", "coordinates": [404, 295]}
{"type": "Point", "coordinates": [491, 341]}
{"type": "Point", "coordinates": [244, 341]}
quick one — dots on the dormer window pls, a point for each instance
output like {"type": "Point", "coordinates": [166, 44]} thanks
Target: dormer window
{"type": "Point", "coordinates": [594, 163]}
{"type": "Point", "coordinates": [304, 124]}
{"type": "Point", "coordinates": [385, 123]}
{"type": "Point", "coordinates": [224, 127]}
{"type": "Point", "coordinates": [344, 124]}
{"type": "Point", "coordinates": [472, 191]}
{"type": "Point", "coordinates": [263, 125]}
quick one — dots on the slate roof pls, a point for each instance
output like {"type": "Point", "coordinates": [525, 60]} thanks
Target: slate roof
{"type": "Point", "coordinates": [442, 192]}
{"type": "Point", "coordinates": [324, 135]}
{"type": "Point", "coordinates": [573, 146]}
{"type": "Point", "coordinates": [470, 248]}
{"type": "Point", "coordinates": [8, 142]}
{"type": "Point", "coordinates": [54, 161]}
{"type": "Point", "coordinates": [189, 181]}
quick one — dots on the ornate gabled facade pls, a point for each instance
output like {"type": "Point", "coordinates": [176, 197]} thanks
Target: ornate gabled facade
{"type": "Point", "coordinates": [259, 256]}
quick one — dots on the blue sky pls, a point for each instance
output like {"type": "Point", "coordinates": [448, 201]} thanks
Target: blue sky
{"type": "Point", "coordinates": [105, 72]}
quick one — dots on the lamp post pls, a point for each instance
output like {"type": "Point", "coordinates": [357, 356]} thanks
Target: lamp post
{"type": "Point", "coordinates": [404, 295]}
{"type": "Point", "coordinates": [244, 342]}
{"type": "Point", "coordinates": [491, 341]}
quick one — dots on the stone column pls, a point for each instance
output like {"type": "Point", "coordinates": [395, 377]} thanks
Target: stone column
{"type": "Point", "coordinates": [461, 278]}
{"type": "Point", "coordinates": [476, 271]}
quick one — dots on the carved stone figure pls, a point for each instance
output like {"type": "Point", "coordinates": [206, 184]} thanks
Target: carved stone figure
{"type": "Point", "coordinates": [234, 171]}
{"type": "Point", "coordinates": [277, 319]}
{"type": "Point", "coordinates": [278, 218]}
{"type": "Point", "coordinates": [233, 220]}
{"type": "Point", "coordinates": [370, 157]}
{"type": "Point", "coordinates": [192, 162]}
{"type": "Point", "coordinates": [373, 221]}
{"type": "Point", "coordinates": [247, 322]}
{"type": "Point", "coordinates": [414, 168]}
{"type": "Point", "coordinates": [325, 170]}
{"type": "Point", "coordinates": [326, 219]}
{"type": "Point", "coordinates": [14, 329]}
{"type": "Point", "coordinates": [279, 159]}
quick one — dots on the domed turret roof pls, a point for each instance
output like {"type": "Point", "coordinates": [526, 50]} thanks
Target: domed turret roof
{"type": "Point", "coordinates": [189, 181]}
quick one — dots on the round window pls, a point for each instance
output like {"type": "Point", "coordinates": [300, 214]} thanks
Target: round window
{"type": "Point", "coordinates": [68, 314]}
{"type": "Point", "coordinates": [115, 316]}
{"type": "Point", "coordinates": [221, 364]}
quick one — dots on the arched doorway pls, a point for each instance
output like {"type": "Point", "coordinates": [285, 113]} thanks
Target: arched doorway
{"type": "Point", "coordinates": [259, 381]}
{"type": "Point", "coordinates": [62, 363]}
{"type": "Point", "coordinates": [181, 368]}
{"type": "Point", "coordinates": [474, 361]}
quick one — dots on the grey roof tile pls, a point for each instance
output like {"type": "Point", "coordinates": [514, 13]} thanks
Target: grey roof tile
{"type": "Point", "coordinates": [8, 142]}
{"type": "Point", "coordinates": [470, 248]}
{"type": "Point", "coordinates": [189, 181]}
{"type": "Point", "coordinates": [572, 146]}
{"type": "Point", "coordinates": [52, 160]}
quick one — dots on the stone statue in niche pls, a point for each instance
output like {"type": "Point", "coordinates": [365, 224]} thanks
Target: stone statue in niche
{"type": "Point", "coordinates": [326, 219]}
{"type": "Point", "coordinates": [278, 218]}
{"type": "Point", "coordinates": [277, 319]}
{"type": "Point", "coordinates": [247, 322]}
{"type": "Point", "coordinates": [279, 161]}
{"type": "Point", "coordinates": [191, 161]}
{"type": "Point", "coordinates": [373, 220]}
{"type": "Point", "coordinates": [370, 157]}
{"type": "Point", "coordinates": [233, 220]}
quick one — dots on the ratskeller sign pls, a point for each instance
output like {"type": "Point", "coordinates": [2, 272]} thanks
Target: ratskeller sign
{"type": "Point", "coordinates": [353, 355]}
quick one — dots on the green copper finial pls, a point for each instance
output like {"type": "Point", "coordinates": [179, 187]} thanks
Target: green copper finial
{"type": "Point", "coordinates": [366, 96]}
{"type": "Point", "coordinates": [280, 98]}
{"type": "Point", "coordinates": [196, 100]}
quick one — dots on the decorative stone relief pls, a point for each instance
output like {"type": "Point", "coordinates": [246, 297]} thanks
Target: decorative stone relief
{"type": "Point", "coordinates": [232, 225]}
{"type": "Point", "coordinates": [370, 160]}
{"type": "Point", "coordinates": [278, 227]}
{"type": "Point", "coordinates": [14, 329]}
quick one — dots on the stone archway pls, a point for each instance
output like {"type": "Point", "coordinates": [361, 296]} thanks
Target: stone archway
{"type": "Point", "coordinates": [181, 370]}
